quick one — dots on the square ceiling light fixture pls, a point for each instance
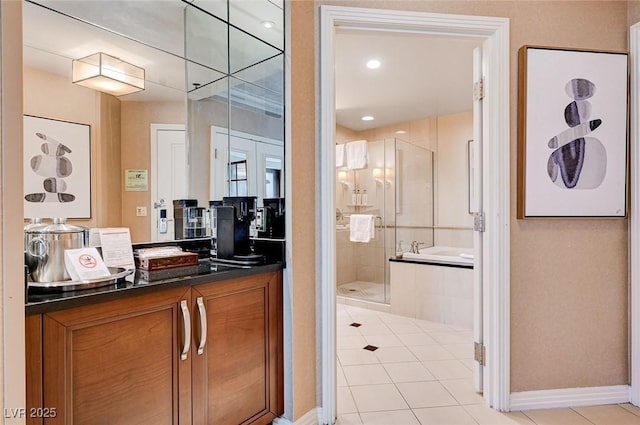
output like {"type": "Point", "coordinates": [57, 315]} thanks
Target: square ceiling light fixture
{"type": "Point", "coordinates": [108, 74]}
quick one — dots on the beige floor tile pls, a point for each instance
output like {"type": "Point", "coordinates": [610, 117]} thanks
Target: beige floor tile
{"type": "Point", "coordinates": [450, 337]}
{"type": "Point", "coordinates": [403, 328]}
{"type": "Point", "coordinates": [383, 340]}
{"type": "Point", "coordinates": [460, 351]}
{"type": "Point", "coordinates": [448, 369]}
{"type": "Point", "coordinates": [344, 401]}
{"type": "Point", "coordinates": [631, 408]}
{"type": "Point", "coordinates": [487, 416]}
{"type": "Point", "coordinates": [347, 330]}
{"type": "Point", "coordinates": [418, 338]}
{"type": "Point", "coordinates": [349, 419]}
{"type": "Point", "coordinates": [408, 372]}
{"type": "Point", "coordinates": [376, 329]}
{"type": "Point", "coordinates": [608, 415]}
{"type": "Point", "coordinates": [395, 355]}
{"type": "Point", "coordinates": [352, 341]}
{"type": "Point", "coordinates": [394, 417]}
{"type": "Point", "coordinates": [431, 352]}
{"type": "Point", "coordinates": [356, 356]}
{"type": "Point", "coordinates": [376, 398]}
{"type": "Point", "coordinates": [428, 325]}
{"type": "Point", "coordinates": [557, 417]}
{"type": "Point", "coordinates": [462, 390]}
{"type": "Point", "coordinates": [366, 375]}
{"type": "Point", "coordinates": [451, 415]}
{"type": "Point", "coordinates": [426, 394]}
{"type": "Point", "coordinates": [341, 380]}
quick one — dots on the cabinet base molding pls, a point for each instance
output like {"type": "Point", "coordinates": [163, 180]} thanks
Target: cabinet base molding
{"type": "Point", "coordinates": [309, 418]}
{"type": "Point", "coordinates": [568, 397]}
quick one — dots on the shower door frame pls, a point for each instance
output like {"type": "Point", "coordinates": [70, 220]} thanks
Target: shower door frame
{"type": "Point", "coordinates": [495, 34]}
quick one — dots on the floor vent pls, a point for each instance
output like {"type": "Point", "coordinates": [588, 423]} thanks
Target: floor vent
{"type": "Point", "coordinates": [355, 325]}
{"type": "Point", "coordinates": [371, 348]}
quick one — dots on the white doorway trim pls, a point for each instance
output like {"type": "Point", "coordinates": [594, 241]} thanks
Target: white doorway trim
{"type": "Point", "coordinates": [634, 233]}
{"type": "Point", "coordinates": [496, 264]}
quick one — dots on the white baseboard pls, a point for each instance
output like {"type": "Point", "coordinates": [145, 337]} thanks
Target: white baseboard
{"type": "Point", "coordinates": [568, 397]}
{"type": "Point", "coordinates": [309, 418]}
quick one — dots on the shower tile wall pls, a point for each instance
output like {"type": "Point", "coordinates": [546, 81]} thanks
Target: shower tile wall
{"type": "Point", "coordinates": [445, 135]}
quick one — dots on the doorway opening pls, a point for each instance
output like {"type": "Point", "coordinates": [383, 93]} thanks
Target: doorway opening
{"type": "Point", "coordinates": [493, 34]}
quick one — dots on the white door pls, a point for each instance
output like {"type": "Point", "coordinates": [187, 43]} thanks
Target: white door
{"type": "Point", "coordinates": [476, 208]}
{"type": "Point", "coordinates": [168, 177]}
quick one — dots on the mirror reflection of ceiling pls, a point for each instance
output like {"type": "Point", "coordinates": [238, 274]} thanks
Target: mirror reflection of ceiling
{"type": "Point", "coordinates": [151, 35]}
{"type": "Point", "coordinates": [420, 76]}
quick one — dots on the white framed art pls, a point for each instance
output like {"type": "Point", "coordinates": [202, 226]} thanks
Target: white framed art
{"type": "Point", "coordinates": [572, 133]}
{"type": "Point", "coordinates": [57, 169]}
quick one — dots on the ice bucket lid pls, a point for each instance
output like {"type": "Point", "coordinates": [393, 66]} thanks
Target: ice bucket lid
{"type": "Point", "coordinates": [57, 226]}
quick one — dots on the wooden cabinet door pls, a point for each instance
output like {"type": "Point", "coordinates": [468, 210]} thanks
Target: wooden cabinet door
{"type": "Point", "coordinates": [237, 373]}
{"type": "Point", "coordinates": [119, 362]}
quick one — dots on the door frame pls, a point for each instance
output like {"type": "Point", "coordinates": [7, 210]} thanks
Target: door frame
{"type": "Point", "coordinates": [634, 216]}
{"type": "Point", "coordinates": [154, 128]}
{"type": "Point", "coordinates": [496, 178]}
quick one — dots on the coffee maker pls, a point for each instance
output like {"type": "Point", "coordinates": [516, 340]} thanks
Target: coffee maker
{"type": "Point", "coordinates": [190, 220]}
{"type": "Point", "coordinates": [233, 226]}
{"type": "Point", "coordinates": [271, 218]}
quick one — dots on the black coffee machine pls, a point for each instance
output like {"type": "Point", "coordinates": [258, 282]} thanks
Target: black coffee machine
{"type": "Point", "coordinates": [233, 224]}
{"type": "Point", "coordinates": [271, 223]}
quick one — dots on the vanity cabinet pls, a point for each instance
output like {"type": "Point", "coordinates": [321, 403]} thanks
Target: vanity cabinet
{"type": "Point", "coordinates": [206, 354]}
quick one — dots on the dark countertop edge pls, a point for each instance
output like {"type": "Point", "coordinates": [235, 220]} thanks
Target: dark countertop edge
{"type": "Point", "coordinates": [147, 288]}
{"type": "Point", "coordinates": [432, 263]}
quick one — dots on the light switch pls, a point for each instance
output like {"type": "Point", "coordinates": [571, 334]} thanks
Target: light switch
{"type": "Point", "coordinates": [141, 211]}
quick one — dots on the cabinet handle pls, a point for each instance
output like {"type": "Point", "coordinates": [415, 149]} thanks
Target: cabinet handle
{"type": "Point", "coordinates": [202, 311]}
{"type": "Point", "coordinates": [186, 319]}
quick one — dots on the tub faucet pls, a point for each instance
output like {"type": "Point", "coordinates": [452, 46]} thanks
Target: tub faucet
{"type": "Point", "coordinates": [415, 247]}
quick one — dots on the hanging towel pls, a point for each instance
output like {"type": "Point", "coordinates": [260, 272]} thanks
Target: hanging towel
{"type": "Point", "coordinates": [340, 156]}
{"type": "Point", "coordinates": [362, 227]}
{"type": "Point", "coordinates": [357, 154]}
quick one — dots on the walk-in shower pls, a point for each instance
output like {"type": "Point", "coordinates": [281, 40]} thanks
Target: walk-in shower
{"type": "Point", "coordinates": [396, 188]}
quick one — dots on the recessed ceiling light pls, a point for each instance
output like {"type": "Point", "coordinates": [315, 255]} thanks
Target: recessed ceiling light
{"type": "Point", "coordinates": [373, 64]}
{"type": "Point", "coordinates": [268, 24]}
{"type": "Point", "coordinates": [401, 132]}
{"type": "Point", "coordinates": [367, 118]}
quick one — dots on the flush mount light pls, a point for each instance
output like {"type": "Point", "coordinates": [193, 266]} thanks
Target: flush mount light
{"type": "Point", "coordinates": [268, 24]}
{"type": "Point", "coordinates": [367, 118]}
{"type": "Point", "coordinates": [108, 74]}
{"type": "Point", "coordinates": [373, 64]}
{"type": "Point", "coordinates": [401, 132]}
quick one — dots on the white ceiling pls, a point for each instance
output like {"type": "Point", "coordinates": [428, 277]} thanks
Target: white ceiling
{"type": "Point", "coordinates": [421, 76]}
{"type": "Point", "coordinates": [148, 34]}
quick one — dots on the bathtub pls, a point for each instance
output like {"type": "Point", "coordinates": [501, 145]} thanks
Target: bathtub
{"type": "Point", "coordinates": [442, 254]}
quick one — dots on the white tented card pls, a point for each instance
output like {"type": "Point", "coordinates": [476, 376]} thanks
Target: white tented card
{"type": "Point", "coordinates": [85, 264]}
{"type": "Point", "coordinates": [116, 248]}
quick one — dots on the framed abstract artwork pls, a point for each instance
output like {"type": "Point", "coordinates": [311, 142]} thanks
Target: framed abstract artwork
{"type": "Point", "coordinates": [572, 133]}
{"type": "Point", "coordinates": [57, 169]}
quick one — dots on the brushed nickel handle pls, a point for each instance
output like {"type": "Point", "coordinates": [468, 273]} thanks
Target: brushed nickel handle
{"type": "Point", "coordinates": [186, 319]}
{"type": "Point", "coordinates": [202, 311]}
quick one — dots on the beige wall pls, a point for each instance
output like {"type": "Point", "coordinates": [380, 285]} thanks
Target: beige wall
{"type": "Point", "coordinates": [569, 321]}
{"type": "Point", "coordinates": [136, 121]}
{"type": "Point", "coordinates": [301, 209]}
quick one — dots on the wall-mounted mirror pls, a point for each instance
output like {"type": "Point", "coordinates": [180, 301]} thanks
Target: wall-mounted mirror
{"type": "Point", "coordinates": [213, 71]}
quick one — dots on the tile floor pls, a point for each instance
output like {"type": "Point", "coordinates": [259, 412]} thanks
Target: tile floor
{"type": "Point", "coordinates": [421, 374]}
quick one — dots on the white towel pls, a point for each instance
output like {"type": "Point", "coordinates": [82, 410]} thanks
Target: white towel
{"type": "Point", "coordinates": [340, 156]}
{"type": "Point", "coordinates": [357, 154]}
{"type": "Point", "coordinates": [362, 227]}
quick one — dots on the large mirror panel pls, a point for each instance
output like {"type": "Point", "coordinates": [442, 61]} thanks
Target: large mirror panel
{"type": "Point", "coordinates": [212, 70]}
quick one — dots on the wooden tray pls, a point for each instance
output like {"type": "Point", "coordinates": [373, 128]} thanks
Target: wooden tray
{"type": "Point", "coordinates": [167, 262]}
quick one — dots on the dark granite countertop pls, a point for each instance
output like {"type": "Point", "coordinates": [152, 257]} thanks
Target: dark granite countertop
{"type": "Point", "coordinates": [207, 271]}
